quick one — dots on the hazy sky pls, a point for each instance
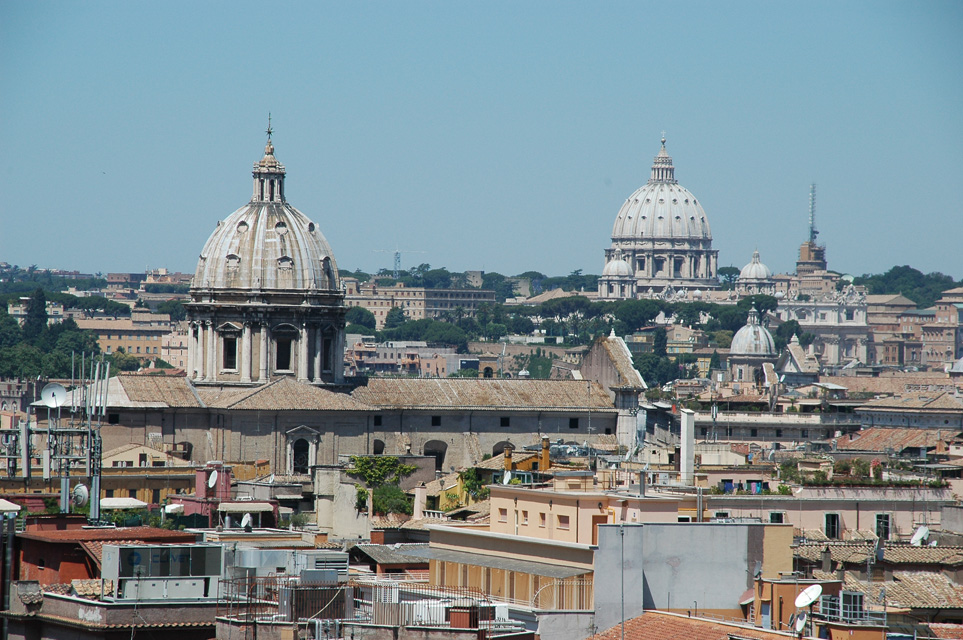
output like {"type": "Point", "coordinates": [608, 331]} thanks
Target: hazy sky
{"type": "Point", "coordinates": [501, 136]}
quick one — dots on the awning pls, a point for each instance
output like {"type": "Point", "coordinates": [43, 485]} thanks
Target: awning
{"type": "Point", "coordinates": [244, 507]}
{"type": "Point", "coordinates": [7, 506]}
{"type": "Point", "coordinates": [174, 508]}
{"type": "Point", "coordinates": [122, 503]}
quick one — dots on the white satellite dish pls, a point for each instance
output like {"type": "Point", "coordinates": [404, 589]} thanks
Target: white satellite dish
{"type": "Point", "coordinates": [801, 621]}
{"type": "Point", "coordinates": [507, 478]}
{"type": "Point", "coordinates": [212, 480]}
{"type": "Point", "coordinates": [921, 534]}
{"type": "Point", "coordinates": [933, 544]}
{"type": "Point", "coordinates": [809, 595]}
{"type": "Point", "coordinates": [246, 521]}
{"type": "Point", "coordinates": [80, 495]}
{"type": "Point", "coordinates": [53, 395]}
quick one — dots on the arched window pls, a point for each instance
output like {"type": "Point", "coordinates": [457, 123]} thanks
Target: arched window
{"type": "Point", "coordinates": [500, 447]}
{"type": "Point", "coordinates": [302, 460]}
{"type": "Point", "coordinates": [489, 372]}
{"type": "Point", "coordinates": [438, 449]}
{"type": "Point", "coordinates": [378, 447]}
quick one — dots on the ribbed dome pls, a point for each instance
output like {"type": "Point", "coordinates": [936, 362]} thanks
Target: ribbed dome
{"type": "Point", "coordinates": [662, 208]}
{"type": "Point", "coordinates": [617, 268]}
{"type": "Point", "coordinates": [752, 339]}
{"type": "Point", "coordinates": [755, 270]}
{"type": "Point", "coordinates": [267, 243]}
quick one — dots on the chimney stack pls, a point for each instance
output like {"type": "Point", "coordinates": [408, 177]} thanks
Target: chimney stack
{"type": "Point", "coordinates": [421, 497]}
{"type": "Point", "coordinates": [546, 460]}
{"type": "Point", "coordinates": [508, 457]}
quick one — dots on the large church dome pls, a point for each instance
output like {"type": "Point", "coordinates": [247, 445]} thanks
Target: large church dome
{"type": "Point", "coordinates": [663, 234]}
{"type": "Point", "coordinates": [267, 243]}
{"type": "Point", "coordinates": [661, 208]}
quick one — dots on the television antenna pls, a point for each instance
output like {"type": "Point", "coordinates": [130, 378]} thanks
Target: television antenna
{"type": "Point", "coordinates": [397, 252]}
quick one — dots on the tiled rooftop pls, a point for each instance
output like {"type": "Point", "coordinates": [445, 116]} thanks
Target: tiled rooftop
{"type": "Point", "coordinates": [658, 625]}
{"type": "Point", "coordinates": [896, 438]}
{"type": "Point", "coordinates": [283, 394]}
{"type": "Point", "coordinates": [455, 393]}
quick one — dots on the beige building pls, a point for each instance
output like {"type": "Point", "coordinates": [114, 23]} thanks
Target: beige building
{"type": "Point", "coordinates": [139, 335]}
{"type": "Point", "coordinates": [18, 311]}
{"type": "Point", "coordinates": [418, 302]}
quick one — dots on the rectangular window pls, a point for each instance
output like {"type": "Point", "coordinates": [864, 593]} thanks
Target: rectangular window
{"type": "Point", "coordinates": [882, 525]}
{"type": "Point", "coordinates": [573, 423]}
{"type": "Point", "coordinates": [377, 421]}
{"type": "Point", "coordinates": [753, 433]}
{"type": "Point", "coordinates": [778, 433]}
{"type": "Point", "coordinates": [436, 421]}
{"type": "Point", "coordinates": [776, 517]}
{"type": "Point", "coordinates": [230, 352]}
{"type": "Point", "coordinates": [142, 460]}
{"type": "Point", "coordinates": [524, 517]}
{"type": "Point", "coordinates": [832, 526]}
{"type": "Point", "coordinates": [503, 515]}
{"type": "Point", "coordinates": [155, 496]}
{"type": "Point", "coordinates": [563, 523]}
{"type": "Point", "coordinates": [804, 433]}
{"type": "Point", "coordinates": [109, 493]}
{"type": "Point", "coordinates": [721, 514]}
{"type": "Point", "coordinates": [541, 519]}
{"type": "Point", "coordinates": [282, 356]}
{"type": "Point", "coordinates": [113, 418]}
{"type": "Point", "coordinates": [505, 421]}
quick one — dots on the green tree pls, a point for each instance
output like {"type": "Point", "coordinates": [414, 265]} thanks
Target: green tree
{"type": "Point", "coordinates": [174, 308]}
{"type": "Point", "coordinates": [395, 318]}
{"type": "Point", "coordinates": [9, 329]}
{"type": "Point", "coordinates": [445, 333]}
{"type": "Point", "coordinates": [360, 315]}
{"type": "Point", "coordinates": [728, 276]}
{"type": "Point", "coordinates": [715, 362]}
{"type": "Point", "coordinates": [36, 320]}
{"type": "Point", "coordinates": [637, 314]}
{"type": "Point", "coordinates": [495, 330]}
{"type": "Point", "coordinates": [120, 360]}
{"type": "Point", "coordinates": [389, 498]}
{"type": "Point", "coordinates": [659, 342]}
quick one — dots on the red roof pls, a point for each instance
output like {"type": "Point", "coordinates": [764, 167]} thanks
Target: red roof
{"type": "Point", "coordinates": [658, 625]}
{"type": "Point", "coordinates": [118, 534]}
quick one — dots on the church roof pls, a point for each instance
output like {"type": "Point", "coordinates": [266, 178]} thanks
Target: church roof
{"type": "Point", "coordinates": [266, 244]}
{"type": "Point", "coordinates": [662, 208]}
{"type": "Point", "coordinates": [755, 270]}
{"type": "Point", "coordinates": [752, 339]}
{"type": "Point", "coordinates": [481, 394]}
{"type": "Point", "coordinates": [283, 394]}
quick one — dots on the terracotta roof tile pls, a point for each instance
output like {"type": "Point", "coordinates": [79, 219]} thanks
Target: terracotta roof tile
{"type": "Point", "coordinates": [454, 393]}
{"type": "Point", "coordinates": [280, 395]}
{"type": "Point", "coordinates": [146, 534]}
{"type": "Point", "coordinates": [658, 625]}
{"type": "Point", "coordinates": [912, 590]}
{"type": "Point", "coordinates": [898, 439]}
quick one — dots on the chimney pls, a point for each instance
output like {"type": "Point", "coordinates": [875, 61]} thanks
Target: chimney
{"type": "Point", "coordinates": [687, 453]}
{"type": "Point", "coordinates": [546, 460]}
{"type": "Point", "coordinates": [827, 558]}
{"type": "Point", "coordinates": [508, 457]}
{"type": "Point", "coordinates": [421, 496]}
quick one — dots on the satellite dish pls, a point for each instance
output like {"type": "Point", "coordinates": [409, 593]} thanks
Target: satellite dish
{"type": "Point", "coordinates": [933, 544]}
{"type": "Point", "coordinates": [53, 395]}
{"type": "Point", "coordinates": [246, 521]}
{"type": "Point", "coordinates": [921, 534]}
{"type": "Point", "coordinates": [507, 478]}
{"type": "Point", "coordinates": [808, 596]}
{"type": "Point", "coordinates": [801, 620]}
{"type": "Point", "coordinates": [212, 480]}
{"type": "Point", "coordinates": [80, 495]}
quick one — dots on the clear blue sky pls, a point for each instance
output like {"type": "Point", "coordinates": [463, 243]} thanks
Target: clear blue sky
{"type": "Point", "coordinates": [500, 135]}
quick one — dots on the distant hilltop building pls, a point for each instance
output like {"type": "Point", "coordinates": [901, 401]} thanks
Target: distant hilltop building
{"type": "Point", "coordinates": [661, 239]}
{"type": "Point", "coordinates": [266, 299]}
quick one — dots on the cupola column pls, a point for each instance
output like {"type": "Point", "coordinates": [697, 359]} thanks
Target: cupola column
{"type": "Point", "coordinates": [318, 342]}
{"type": "Point", "coordinates": [246, 353]}
{"type": "Point", "coordinates": [211, 352]}
{"type": "Point", "coordinates": [265, 335]}
{"type": "Point", "coordinates": [303, 354]}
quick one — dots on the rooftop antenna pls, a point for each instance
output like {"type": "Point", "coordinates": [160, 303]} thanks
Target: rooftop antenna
{"type": "Point", "coordinates": [269, 129]}
{"type": "Point", "coordinates": [812, 213]}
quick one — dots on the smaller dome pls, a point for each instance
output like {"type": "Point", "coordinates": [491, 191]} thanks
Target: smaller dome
{"type": "Point", "coordinates": [755, 270]}
{"type": "Point", "coordinates": [752, 339]}
{"type": "Point", "coordinates": [617, 268]}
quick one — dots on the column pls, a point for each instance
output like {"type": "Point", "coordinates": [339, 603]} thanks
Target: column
{"type": "Point", "coordinates": [246, 353]}
{"type": "Point", "coordinates": [265, 340]}
{"type": "Point", "coordinates": [303, 354]}
{"type": "Point", "coordinates": [318, 344]}
{"type": "Point", "coordinates": [191, 351]}
{"type": "Point", "coordinates": [211, 352]}
{"type": "Point", "coordinates": [337, 358]}
{"type": "Point", "coordinates": [200, 355]}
